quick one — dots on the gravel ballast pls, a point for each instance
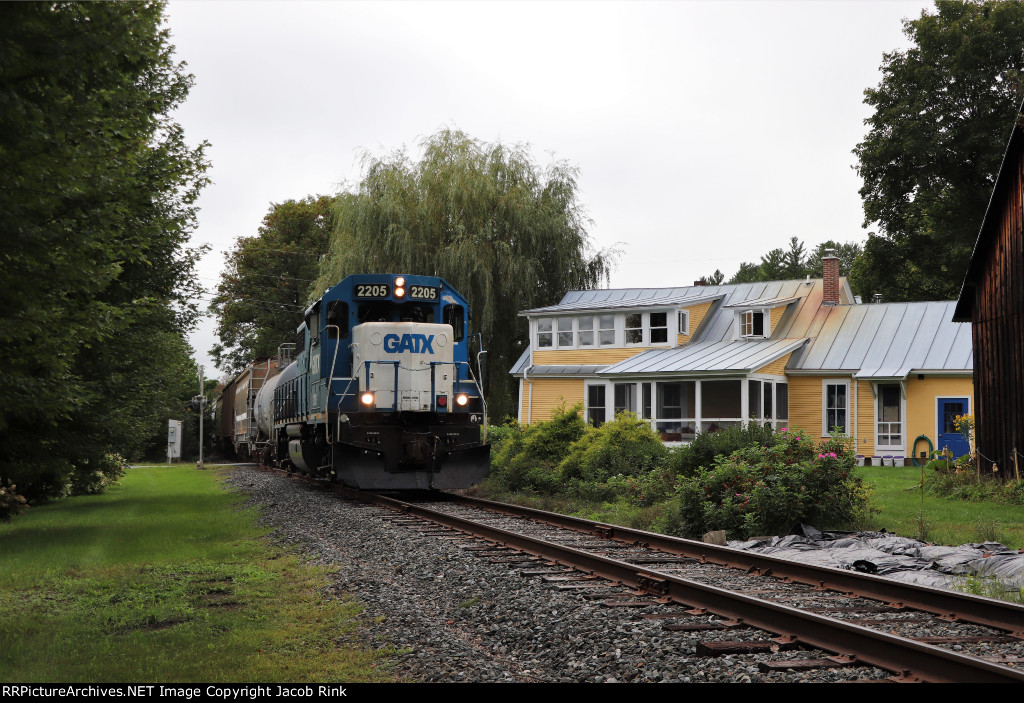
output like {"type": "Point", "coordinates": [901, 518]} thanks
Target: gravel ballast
{"type": "Point", "coordinates": [456, 617]}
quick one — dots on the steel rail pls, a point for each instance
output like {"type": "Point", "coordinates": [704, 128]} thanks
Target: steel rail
{"type": "Point", "coordinates": [909, 659]}
{"type": "Point", "coordinates": [960, 607]}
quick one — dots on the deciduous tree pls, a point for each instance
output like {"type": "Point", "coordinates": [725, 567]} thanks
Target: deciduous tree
{"type": "Point", "coordinates": [97, 191]}
{"type": "Point", "coordinates": [268, 279]}
{"type": "Point", "coordinates": [942, 115]}
{"type": "Point", "coordinates": [505, 232]}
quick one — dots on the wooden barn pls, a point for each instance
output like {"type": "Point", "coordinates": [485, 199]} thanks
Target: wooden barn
{"type": "Point", "coordinates": [992, 299]}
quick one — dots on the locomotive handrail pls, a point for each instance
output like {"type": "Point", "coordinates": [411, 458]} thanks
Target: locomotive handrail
{"type": "Point", "coordinates": [455, 381]}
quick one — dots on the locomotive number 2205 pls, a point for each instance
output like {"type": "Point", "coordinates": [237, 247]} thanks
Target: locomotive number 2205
{"type": "Point", "coordinates": [379, 290]}
{"type": "Point", "coordinates": [423, 292]}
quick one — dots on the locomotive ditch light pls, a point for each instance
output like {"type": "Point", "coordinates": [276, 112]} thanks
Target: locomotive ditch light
{"type": "Point", "coordinates": [461, 399]}
{"type": "Point", "coordinates": [366, 398]}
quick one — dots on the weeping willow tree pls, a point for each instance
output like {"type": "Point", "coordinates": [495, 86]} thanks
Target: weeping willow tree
{"type": "Point", "coordinates": [508, 234]}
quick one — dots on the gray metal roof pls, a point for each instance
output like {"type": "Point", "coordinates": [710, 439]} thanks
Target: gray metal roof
{"type": "Point", "coordinates": [632, 302]}
{"type": "Point", "coordinates": [887, 340]}
{"type": "Point", "coordinates": [704, 357]}
{"type": "Point", "coordinates": [575, 370]}
{"type": "Point", "coordinates": [522, 362]}
{"type": "Point", "coordinates": [762, 303]}
{"type": "Point", "coordinates": [884, 340]}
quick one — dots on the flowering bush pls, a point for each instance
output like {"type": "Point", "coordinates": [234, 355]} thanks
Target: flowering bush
{"type": "Point", "coordinates": [11, 503]}
{"type": "Point", "coordinates": [767, 490]}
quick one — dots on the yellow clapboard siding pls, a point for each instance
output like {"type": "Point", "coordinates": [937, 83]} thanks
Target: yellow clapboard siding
{"type": "Point", "coordinates": [805, 404]}
{"type": "Point", "coordinates": [776, 315]}
{"type": "Point", "coordinates": [697, 315]}
{"type": "Point", "coordinates": [777, 367]}
{"type": "Point", "coordinates": [558, 357]}
{"type": "Point", "coordinates": [548, 395]}
{"type": "Point", "coordinates": [865, 419]}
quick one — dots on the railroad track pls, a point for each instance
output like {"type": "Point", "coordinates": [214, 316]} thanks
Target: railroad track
{"type": "Point", "coordinates": [804, 617]}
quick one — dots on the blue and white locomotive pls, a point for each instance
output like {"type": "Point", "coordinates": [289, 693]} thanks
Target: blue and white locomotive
{"type": "Point", "coordinates": [381, 394]}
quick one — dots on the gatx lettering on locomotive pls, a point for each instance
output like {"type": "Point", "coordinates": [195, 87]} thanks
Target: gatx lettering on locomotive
{"type": "Point", "coordinates": [415, 343]}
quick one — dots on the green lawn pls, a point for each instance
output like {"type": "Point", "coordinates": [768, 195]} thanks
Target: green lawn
{"type": "Point", "coordinates": [896, 492]}
{"type": "Point", "coordinates": [165, 579]}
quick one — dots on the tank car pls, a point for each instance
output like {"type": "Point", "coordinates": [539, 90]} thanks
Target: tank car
{"type": "Point", "coordinates": [381, 394]}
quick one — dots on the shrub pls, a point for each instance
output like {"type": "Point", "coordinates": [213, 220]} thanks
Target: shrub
{"type": "Point", "coordinates": [962, 483]}
{"type": "Point", "coordinates": [526, 457]}
{"type": "Point", "coordinates": [11, 503]}
{"type": "Point", "coordinates": [95, 477]}
{"type": "Point", "coordinates": [626, 446]}
{"type": "Point", "coordinates": [706, 447]}
{"type": "Point", "coordinates": [767, 490]}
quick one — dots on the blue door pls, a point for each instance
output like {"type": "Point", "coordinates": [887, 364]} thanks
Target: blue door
{"type": "Point", "coordinates": [949, 436]}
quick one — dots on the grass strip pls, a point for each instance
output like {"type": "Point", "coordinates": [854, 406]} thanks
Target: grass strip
{"type": "Point", "coordinates": [896, 494]}
{"type": "Point", "coordinates": [165, 578]}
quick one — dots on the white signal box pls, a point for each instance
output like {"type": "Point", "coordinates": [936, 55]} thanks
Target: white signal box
{"type": "Point", "coordinates": [173, 440]}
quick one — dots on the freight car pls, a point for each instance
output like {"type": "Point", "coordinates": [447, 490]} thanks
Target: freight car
{"type": "Point", "coordinates": [235, 429]}
{"type": "Point", "coordinates": [381, 394]}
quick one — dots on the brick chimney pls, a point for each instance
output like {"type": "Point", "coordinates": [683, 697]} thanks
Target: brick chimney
{"type": "Point", "coordinates": [830, 274]}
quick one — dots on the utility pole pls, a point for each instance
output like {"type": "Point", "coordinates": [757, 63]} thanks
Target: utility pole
{"type": "Point", "coordinates": [202, 411]}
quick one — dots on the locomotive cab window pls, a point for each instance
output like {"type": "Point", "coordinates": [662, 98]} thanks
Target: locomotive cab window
{"type": "Point", "coordinates": [337, 319]}
{"type": "Point", "coordinates": [377, 311]}
{"type": "Point", "coordinates": [416, 312]}
{"type": "Point", "coordinates": [455, 315]}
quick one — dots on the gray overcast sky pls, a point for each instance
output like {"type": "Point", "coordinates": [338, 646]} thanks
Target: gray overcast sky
{"type": "Point", "coordinates": [705, 133]}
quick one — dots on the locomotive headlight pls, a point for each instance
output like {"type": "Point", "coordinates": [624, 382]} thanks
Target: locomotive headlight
{"type": "Point", "coordinates": [400, 282]}
{"type": "Point", "coordinates": [399, 292]}
{"type": "Point", "coordinates": [366, 398]}
{"type": "Point", "coordinates": [461, 399]}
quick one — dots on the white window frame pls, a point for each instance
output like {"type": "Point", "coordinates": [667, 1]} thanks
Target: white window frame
{"type": "Point", "coordinates": [644, 334]}
{"type": "Point", "coordinates": [614, 330]}
{"type": "Point", "coordinates": [683, 322]}
{"type": "Point", "coordinates": [579, 331]}
{"type": "Point", "coordinates": [903, 417]}
{"type": "Point", "coordinates": [825, 383]}
{"type": "Point", "coordinates": [617, 328]}
{"type": "Point", "coordinates": [586, 400]}
{"type": "Point", "coordinates": [766, 323]}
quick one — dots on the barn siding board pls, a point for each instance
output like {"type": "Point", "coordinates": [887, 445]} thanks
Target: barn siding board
{"type": "Point", "coordinates": [996, 280]}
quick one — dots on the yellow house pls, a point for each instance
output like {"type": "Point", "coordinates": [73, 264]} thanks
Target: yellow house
{"type": "Point", "coordinates": [803, 354]}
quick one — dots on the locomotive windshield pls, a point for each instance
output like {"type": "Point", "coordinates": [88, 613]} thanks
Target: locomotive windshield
{"type": "Point", "coordinates": [388, 311]}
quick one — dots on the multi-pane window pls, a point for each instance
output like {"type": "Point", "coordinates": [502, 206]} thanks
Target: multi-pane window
{"type": "Point", "coordinates": [565, 331]}
{"type": "Point", "coordinates": [835, 407]}
{"type": "Point", "coordinates": [634, 328]}
{"type": "Point", "coordinates": [684, 322]}
{"type": "Point", "coordinates": [595, 405]}
{"type": "Point", "coordinates": [582, 331]}
{"type": "Point", "coordinates": [544, 336]}
{"type": "Point", "coordinates": [782, 401]}
{"type": "Point", "coordinates": [585, 335]}
{"type": "Point", "coordinates": [659, 327]}
{"type": "Point", "coordinates": [752, 323]}
{"type": "Point", "coordinates": [625, 397]}
{"type": "Point", "coordinates": [890, 424]}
